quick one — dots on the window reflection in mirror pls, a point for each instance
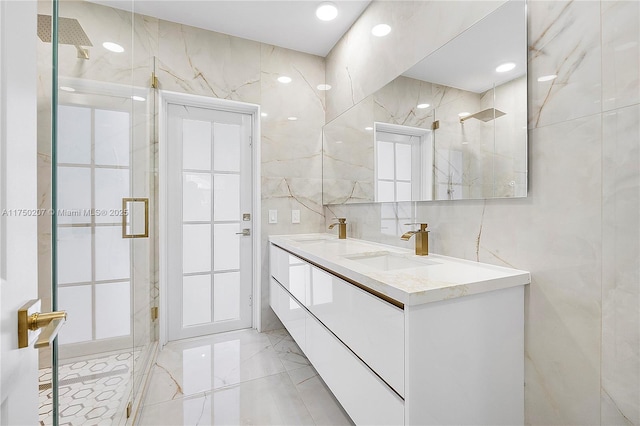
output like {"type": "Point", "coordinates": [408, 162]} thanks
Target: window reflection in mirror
{"type": "Point", "coordinates": [474, 109]}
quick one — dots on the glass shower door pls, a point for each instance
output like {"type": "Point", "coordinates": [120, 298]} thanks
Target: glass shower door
{"type": "Point", "coordinates": [103, 172]}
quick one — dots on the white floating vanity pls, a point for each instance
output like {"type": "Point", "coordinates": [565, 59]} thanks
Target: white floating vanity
{"type": "Point", "coordinates": [404, 339]}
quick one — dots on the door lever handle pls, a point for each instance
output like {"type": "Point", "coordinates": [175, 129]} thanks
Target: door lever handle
{"type": "Point", "coordinates": [245, 232]}
{"type": "Point", "coordinates": [31, 322]}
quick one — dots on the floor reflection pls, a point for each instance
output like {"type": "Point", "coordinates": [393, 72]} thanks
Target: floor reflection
{"type": "Point", "coordinates": [241, 377]}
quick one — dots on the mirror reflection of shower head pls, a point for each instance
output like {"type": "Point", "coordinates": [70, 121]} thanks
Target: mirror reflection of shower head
{"type": "Point", "coordinates": [69, 32]}
{"type": "Point", "coordinates": [484, 115]}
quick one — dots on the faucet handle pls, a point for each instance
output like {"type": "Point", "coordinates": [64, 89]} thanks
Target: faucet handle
{"type": "Point", "coordinates": [423, 226]}
{"type": "Point", "coordinates": [341, 219]}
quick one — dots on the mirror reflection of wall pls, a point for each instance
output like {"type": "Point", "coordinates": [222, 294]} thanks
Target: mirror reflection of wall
{"type": "Point", "coordinates": [470, 95]}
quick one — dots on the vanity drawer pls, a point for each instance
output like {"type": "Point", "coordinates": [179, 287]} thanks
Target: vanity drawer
{"type": "Point", "coordinates": [290, 312]}
{"type": "Point", "coordinates": [368, 325]}
{"type": "Point", "coordinates": [366, 398]}
{"type": "Point", "coordinates": [292, 272]}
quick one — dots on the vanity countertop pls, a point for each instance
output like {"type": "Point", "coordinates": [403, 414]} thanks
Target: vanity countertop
{"type": "Point", "coordinates": [397, 272]}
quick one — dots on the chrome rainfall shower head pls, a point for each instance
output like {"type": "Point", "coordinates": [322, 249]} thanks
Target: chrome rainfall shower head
{"type": "Point", "coordinates": [69, 32]}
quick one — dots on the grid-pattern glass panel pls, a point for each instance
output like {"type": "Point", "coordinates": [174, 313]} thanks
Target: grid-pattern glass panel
{"type": "Point", "coordinates": [226, 147]}
{"type": "Point", "coordinates": [226, 200]}
{"type": "Point", "coordinates": [111, 137]}
{"type": "Point", "coordinates": [74, 255]}
{"type": "Point", "coordinates": [196, 248]}
{"type": "Point", "coordinates": [77, 195]}
{"type": "Point", "coordinates": [112, 254]}
{"type": "Point", "coordinates": [93, 259]}
{"type": "Point", "coordinates": [74, 134]}
{"type": "Point", "coordinates": [393, 168]}
{"type": "Point", "coordinates": [76, 300]}
{"type": "Point", "coordinates": [111, 185]}
{"type": "Point", "coordinates": [211, 220]}
{"type": "Point", "coordinates": [196, 196]}
{"type": "Point", "coordinates": [112, 310]}
{"type": "Point", "coordinates": [226, 296]}
{"type": "Point", "coordinates": [196, 146]}
{"type": "Point", "coordinates": [196, 299]}
{"type": "Point", "coordinates": [226, 247]}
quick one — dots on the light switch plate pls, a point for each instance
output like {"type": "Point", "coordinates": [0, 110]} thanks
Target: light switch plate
{"type": "Point", "coordinates": [295, 216]}
{"type": "Point", "coordinates": [273, 216]}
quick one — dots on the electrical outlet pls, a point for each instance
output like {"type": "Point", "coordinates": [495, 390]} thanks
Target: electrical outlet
{"type": "Point", "coordinates": [273, 216]}
{"type": "Point", "coordinates": [295, 216]}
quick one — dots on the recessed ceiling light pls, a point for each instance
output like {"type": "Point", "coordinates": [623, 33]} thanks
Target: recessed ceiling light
{"type": "Point", "coordinates": [547, 78]}
{"type": "Point", "coordinates": [324, 87]}
{"type": "Point", "coordinates": [67, 89]}
{"type": "Point", "coordinates": [464, 114]}
{"type": "Point", "coordinates": [368, 128]}
{"type": "Point", "coordinates": [114, 47]}
{"type": "Point", "coordinates": [506, 67]}
{"type": "Point", "coordinates": [292, 118]}
{"type": "Point", "coordinates": [284, 79]}
{"type": "Point", "coordinates": [138, 98]}
{"type": "Point", "coordinates": [338, 141]}
{"type": "Point", "coordinates": [327, 11]}
{"type": "Point", "coordinates": [423, 106]}
{"type": "Point", "coordinates": [263, 114]}
{"type": "Point", "coordinates": [381, 30]}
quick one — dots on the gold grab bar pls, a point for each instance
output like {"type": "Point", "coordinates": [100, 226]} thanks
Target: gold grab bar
{"type": "Point", "coordinates": [36, 327]}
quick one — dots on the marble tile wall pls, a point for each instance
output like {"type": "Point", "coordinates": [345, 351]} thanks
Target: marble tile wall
{"type": "Point", "coordinates": [578, 231]}
{"type": "Point", "coordinates": [196, 61]}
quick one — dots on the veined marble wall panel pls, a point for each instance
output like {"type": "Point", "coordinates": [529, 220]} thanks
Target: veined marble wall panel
{"type": "Point", "coordinates": [291, 150]}
{"type": "Point", "coordinates": [200, 62]}
{"type": "Point", "coordinates": [620, 53]}
{"type": "Point", "coordinates": [396, 103]}
{"type": "Point", "coordinates": [621, 267]}
{"type": "Point", "coordinates": [578, 231]}
{"type": "Point", "coordinates": [564, 39]}
{"type": "Point", "coordinates": [360, 63]}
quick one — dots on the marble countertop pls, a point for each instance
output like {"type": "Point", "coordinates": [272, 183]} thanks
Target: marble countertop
{"type": "Point", "coordinates": [411, 279]}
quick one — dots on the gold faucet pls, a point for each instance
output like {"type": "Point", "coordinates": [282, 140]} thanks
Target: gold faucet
{"type": "Point", "coordinates": [342, 227]}
{"type": "Point", "coordinates": [422, 238]}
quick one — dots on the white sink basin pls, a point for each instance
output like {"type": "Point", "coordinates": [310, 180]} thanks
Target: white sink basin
{"type": "Point", "coordinates": [387, 261]}
{"type": "Point", "coordinates": [314, 239]}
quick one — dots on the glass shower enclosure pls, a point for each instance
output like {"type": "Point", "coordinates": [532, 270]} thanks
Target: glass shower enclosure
{"type": "Point", "coordinates": [97, 176]}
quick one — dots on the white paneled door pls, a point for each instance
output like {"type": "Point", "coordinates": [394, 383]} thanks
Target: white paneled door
{"type": "Point", "coordinates": [209, 244]}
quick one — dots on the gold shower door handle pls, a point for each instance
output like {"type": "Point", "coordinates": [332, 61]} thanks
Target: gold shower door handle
{"type": "Point", "coordinates": [132, 210]}
{"type": "Point", "coordinates": [36, 327]}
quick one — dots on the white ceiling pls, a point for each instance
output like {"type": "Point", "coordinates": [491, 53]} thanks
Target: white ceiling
{"type": "Point", "coordinates": [469, 61]}
{"type": "Point", "coordinates": [291, 24]}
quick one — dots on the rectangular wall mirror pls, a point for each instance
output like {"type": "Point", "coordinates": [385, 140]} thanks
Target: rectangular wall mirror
{"type": "Point", "coordinates": [452, 127]}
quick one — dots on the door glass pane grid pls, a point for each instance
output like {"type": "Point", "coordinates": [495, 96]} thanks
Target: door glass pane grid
{"type": "Point", "coordinates": [211, 249]}
{"type": "Point", "coordinates": [94, 263]}
{"type": "Point", "coordinates": [394, 173]}
{"type": "Point", "coordinates": [227, 223]}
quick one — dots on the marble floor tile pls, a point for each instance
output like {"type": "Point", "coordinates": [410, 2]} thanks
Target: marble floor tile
{"type": "Point", "coordinates": [271, 400]}
{"type": "Point", "coordinates": [322, 405]}
{"type": "Point", "coordinates": [264, 379]}
{"type": "Point", "coordinates": [193, 366]}
{"type": "Point", "coordinates": [289, 352]}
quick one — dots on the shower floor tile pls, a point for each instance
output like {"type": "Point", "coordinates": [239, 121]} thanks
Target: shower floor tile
{"type": "Point", "coordinates": [92, 391]}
